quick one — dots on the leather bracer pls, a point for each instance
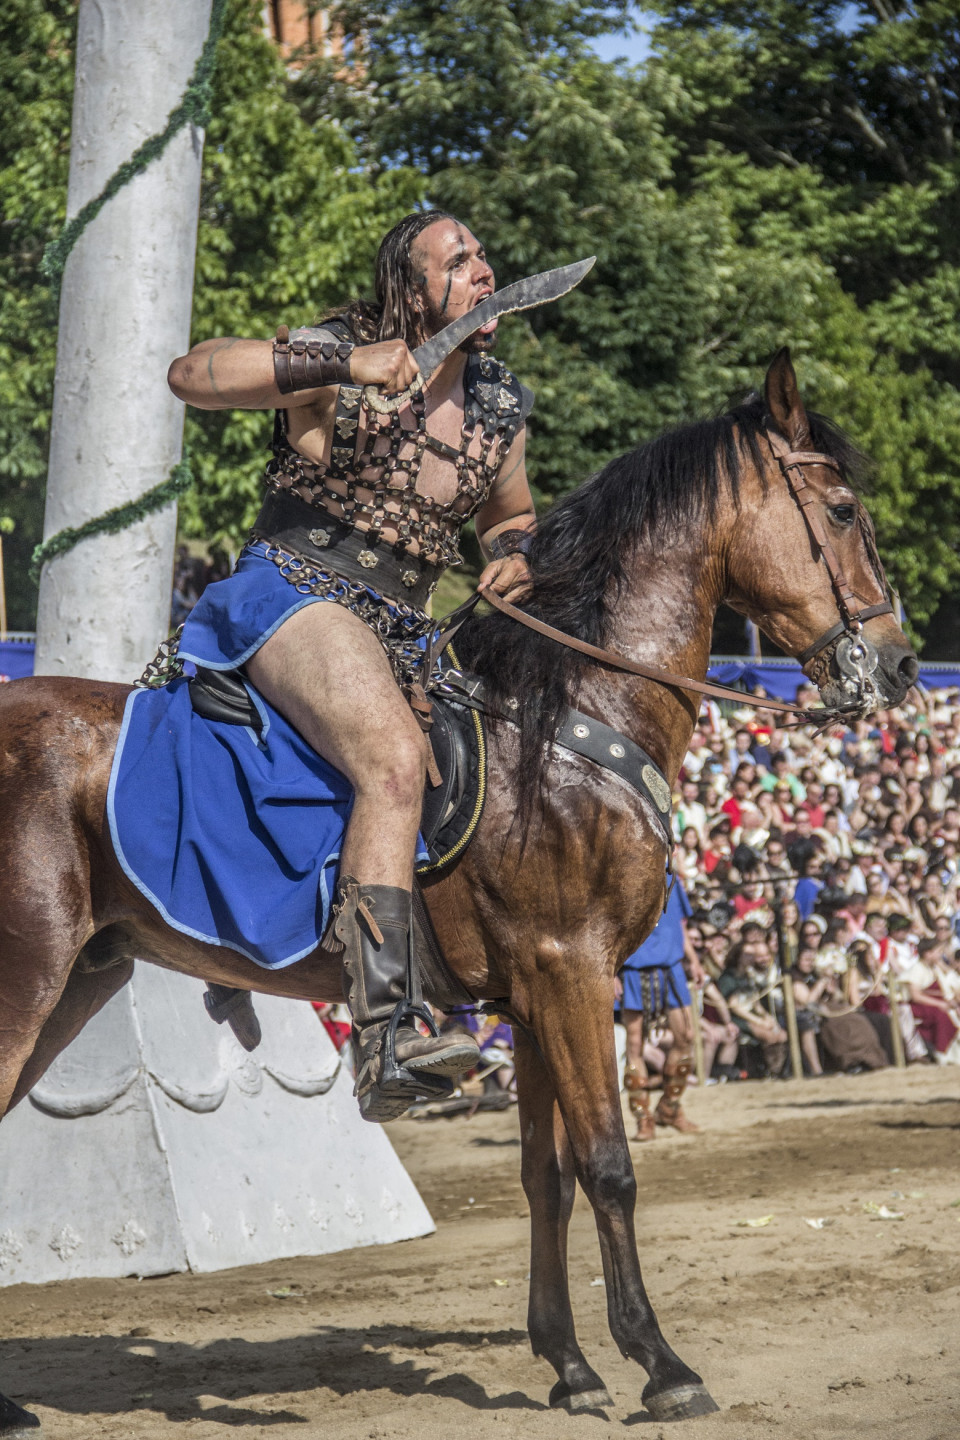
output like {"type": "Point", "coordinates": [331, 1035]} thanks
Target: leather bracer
{"type": "Point", "coordinates": [511, 542]}
{"type": "Point", "coordinates": [303, 364]}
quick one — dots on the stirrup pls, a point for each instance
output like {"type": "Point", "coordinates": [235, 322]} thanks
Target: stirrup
{"type": "Point", "coordinates": [397, 1079]}
{"type": "Point", "coordinates": [397, 1087]}
{"type": "Point", "coordinates": [224, 1003]}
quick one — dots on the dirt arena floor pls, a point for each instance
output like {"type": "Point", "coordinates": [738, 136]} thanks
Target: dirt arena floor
{"type": "Point", "coordinates": [850, 1329]}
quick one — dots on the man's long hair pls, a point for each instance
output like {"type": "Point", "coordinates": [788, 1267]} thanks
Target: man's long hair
{"type": "Point", "coordinates": [392, 315]}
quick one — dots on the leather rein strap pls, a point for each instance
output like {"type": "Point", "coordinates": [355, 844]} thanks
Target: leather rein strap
{"type": "Point", "coordinates": [853, 612]}
{"type": "Point", "coordinates": [636, 667]}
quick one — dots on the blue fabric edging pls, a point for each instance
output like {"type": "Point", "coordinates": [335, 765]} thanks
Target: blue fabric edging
{"type": "Point", "coordinates": [235, 841]}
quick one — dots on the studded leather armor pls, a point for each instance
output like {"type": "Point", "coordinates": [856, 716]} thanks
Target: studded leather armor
{"type": "Point", "coordinates": [495, 405]}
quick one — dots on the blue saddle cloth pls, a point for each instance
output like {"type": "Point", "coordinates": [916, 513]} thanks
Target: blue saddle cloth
{"type": "Point", "coordinates": [234, 840]}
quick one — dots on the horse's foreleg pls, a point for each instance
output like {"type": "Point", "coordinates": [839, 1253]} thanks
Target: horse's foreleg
{"type": "Point", "coordinates": [576, 1034]}
{"type": "Point", "coordinates": [550, 1183]}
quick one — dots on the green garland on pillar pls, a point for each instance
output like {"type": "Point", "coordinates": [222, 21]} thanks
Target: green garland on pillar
{"type": "Point", "coordinates": [194, 108]}
{"type": "Point", "coordinates": [177, 483]}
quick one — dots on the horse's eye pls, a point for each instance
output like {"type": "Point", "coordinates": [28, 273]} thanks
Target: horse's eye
{"type": "Point", "coordinates": [843, 514]}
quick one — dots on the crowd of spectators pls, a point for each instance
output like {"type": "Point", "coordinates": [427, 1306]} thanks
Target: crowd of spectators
{"type": "Point", "coordinates": [191, 576]}
{"type": "Point", "coordinates": [831, 858]}
{"type": "Point", "coordinates": [834, 858]}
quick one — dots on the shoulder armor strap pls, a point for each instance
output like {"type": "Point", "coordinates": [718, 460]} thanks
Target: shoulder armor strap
{"type": "Point", "coordinates": [493, 397]}
{"type": "Point", "coordinates": [346, 418]}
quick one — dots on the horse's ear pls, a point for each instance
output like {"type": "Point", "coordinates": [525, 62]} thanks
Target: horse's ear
{"type": "Point", "coordinates": [783, 401]}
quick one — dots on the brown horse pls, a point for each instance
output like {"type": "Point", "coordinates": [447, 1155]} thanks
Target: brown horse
{"type": "Point", "coordinates": [566, 874]}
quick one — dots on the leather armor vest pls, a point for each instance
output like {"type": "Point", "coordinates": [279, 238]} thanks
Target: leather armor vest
{"type": "Point", "coordinates": [495, 405]}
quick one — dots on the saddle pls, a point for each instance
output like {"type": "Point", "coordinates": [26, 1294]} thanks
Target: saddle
{"type": "Point", "coordinates": [451, 810]}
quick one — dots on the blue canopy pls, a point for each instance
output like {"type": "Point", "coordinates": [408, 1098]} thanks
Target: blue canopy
{"type": "Point", "coordinates": [782, 678]}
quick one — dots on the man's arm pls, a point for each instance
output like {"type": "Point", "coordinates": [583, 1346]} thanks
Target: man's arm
{"type": "Point", "coordinates": [506, 523]}
{"type": "Point", "coordinates": [234, 374]}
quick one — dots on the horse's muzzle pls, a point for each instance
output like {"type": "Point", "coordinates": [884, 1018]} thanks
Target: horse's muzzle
{"type": "Point", "coordinates": [863, 677]}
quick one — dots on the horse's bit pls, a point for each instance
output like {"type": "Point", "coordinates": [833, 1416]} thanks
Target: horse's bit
{"type": "Point", "coordinates": [856, 658]}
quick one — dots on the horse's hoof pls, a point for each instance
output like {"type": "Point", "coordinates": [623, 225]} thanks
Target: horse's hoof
{"type": "Point", "coordinates": [17, 1424]}
{"type": "Point", "coordinates": [683, 1402]}
{"type": "Point", "coordinates": [563, 1398]}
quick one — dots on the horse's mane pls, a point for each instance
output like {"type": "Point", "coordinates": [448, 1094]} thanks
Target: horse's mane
{"type": "Point", "coordinates": [580, 556]}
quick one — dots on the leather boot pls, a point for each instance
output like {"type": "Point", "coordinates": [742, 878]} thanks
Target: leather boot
{"type": "Point", "coordinates": [396, 1064]}
{"type": "Point", "coordinates": [222, 1002]}
{"type": "Point", "coordinates": [638, 1098]}
{"type": "Point", "coordinates": [670, 1111]}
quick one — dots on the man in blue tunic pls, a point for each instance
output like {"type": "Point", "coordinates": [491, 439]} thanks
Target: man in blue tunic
{"type": "Point", "coordinates": [363, 513]}
{"type": "Point", "coordinates": [655, 988]}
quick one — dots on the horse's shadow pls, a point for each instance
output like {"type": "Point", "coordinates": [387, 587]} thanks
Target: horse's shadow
{"type": "Point", "coordinates": [169, 1377]}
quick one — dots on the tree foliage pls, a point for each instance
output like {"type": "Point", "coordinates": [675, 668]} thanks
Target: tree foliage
{"type": "Point", "coordinates": [778, 171]}
{"type": "Point", "coordinates": [36, 96]}
{"type": "Point", "coordinates": [289, 225]}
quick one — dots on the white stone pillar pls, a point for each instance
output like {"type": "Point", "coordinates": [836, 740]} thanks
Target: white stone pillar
{"type": "Point", "coordinates": [124, 315]}
{"type": "Point", "coordinates": [154, 1143]}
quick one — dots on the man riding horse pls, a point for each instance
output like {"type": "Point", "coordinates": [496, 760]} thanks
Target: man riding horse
{"type": "Point", "coordinates": [364, 509]}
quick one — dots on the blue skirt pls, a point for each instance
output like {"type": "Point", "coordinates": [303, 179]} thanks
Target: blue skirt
{"type": "Point", "coordinates": [670, 988]}
{"type": "Point", "coordinates": [234, 617]}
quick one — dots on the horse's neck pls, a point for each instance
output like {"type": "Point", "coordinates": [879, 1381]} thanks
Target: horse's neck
{"type": "Point", "coordinates": [665, 618]}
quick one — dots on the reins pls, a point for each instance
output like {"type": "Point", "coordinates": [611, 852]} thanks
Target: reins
{"type": "Point", "coordinates": [634, 667]}
{"type": "Point", "coordinates": [853, 612]}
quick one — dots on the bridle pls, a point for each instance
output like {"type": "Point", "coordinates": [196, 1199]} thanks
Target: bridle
{"type": "Point", "coordinates": [855, 657]}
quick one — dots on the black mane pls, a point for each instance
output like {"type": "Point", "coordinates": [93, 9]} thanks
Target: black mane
{"type": "Point", "coordinates": [579, 560]}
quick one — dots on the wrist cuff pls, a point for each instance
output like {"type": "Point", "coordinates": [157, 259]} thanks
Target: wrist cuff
{"type": "Point", "coordinates": [511, 542]}
{"type": "Point", "coordinates": [309, 364]}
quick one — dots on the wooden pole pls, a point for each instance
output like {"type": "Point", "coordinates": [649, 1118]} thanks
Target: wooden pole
{"type": "Point", "coordinates": [698, 1046]}
{"type": "Point", "coordinates": [896, 1034]}
{"type": "Point", "coordinates": [125, 303]}
{"type": "Point", "coordinates": [793, 1033]}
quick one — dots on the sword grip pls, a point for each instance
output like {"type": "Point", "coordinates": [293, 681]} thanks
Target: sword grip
{"type": "Point", "coordinates": [390, 404]}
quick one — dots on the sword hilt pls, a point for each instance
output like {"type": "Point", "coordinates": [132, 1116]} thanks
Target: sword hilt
{"type": "Point", "coordinates": [390, 404]}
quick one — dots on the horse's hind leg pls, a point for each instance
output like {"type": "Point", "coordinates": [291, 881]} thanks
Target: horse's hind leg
{"type": "Point", "coordinates": [576, 1034]}
{"type": "Point", "coordinates": [24, 1011]}
{"type": "Point", "coordinates": [43, 924]}
{"type": "Point", "coordinates": [17, 1424]}
{"type": "Point", "coordinates": [550, 1183]}
{"type": "Point", "coordinates": [84, 994]}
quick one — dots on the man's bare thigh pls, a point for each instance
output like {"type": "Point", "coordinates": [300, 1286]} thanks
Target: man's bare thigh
{"type": "Point", "coordinates": [327, 673]}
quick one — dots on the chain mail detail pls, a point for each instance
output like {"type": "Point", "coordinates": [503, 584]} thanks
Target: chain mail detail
{"type": "Point", "coordinates": [165, 666]}
{"type": "Point", "coordinates": [398, 627]}
{"type": "Point", "coordinates": [494, 405]}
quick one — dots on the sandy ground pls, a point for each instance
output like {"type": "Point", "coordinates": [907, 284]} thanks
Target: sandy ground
{"type": "Point", "coordinates": [801, 1333]}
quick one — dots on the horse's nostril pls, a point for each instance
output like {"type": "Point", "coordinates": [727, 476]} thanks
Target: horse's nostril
{"type": "Point", "coordinates": [909, 669]}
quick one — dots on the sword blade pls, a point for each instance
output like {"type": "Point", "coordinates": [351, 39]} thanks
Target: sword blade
{"type": "Point", "coordinates": [521, 295]}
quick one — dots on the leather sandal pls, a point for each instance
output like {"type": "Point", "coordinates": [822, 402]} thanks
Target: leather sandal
{"type": "Point", "coordinates": [669, 1111]}
{"type": "Point", "coordinates": [638, 1098]}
